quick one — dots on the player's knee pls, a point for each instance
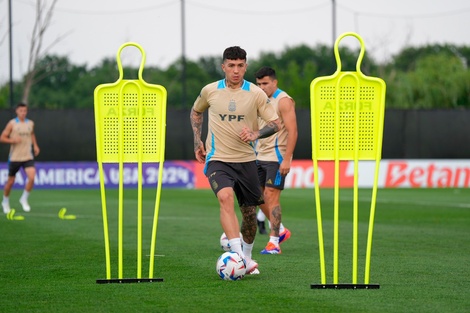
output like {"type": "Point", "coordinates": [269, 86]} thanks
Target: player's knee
{"type": "Point", "coordinates": [225, 197]}
{"type": "Point", "coordinates": [271, 193]}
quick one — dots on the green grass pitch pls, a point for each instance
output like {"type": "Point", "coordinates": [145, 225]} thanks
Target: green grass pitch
{"type": "Point", "coordinates": [420, 255]}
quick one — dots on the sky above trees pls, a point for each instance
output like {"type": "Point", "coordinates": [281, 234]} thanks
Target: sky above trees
{"type": "Point", "coordinates": [93, 30]}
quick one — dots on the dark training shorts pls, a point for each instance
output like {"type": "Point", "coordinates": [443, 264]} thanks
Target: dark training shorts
{"type": "Point", "coordinates": [242, 177]}
{"type": "Point", "coordinates": [269, 175]}
{"type": "Point", "coordinates": [14, 167]}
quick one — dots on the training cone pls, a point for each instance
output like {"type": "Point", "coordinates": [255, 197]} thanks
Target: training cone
{"type": "Point", "coordinates": [62, 215]}
{"type": "Point", "coordinates": [12, 217]}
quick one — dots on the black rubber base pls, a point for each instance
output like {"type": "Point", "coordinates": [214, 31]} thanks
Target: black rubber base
{"type": "Point", "coordinates": [345, 286]}
{"type": "Point", "coordinates": [128, 280]}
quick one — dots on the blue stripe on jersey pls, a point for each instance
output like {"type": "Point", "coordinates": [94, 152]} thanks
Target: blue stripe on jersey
{"type": "Point", "coordinates": [246, 85]}
{"type": "Point", "coordinates": [17, 120]}
{"type": "Point", "coordinates": [254, 144]}
{"type": "Point", "coordinates": [209, 156]}
{"type": "Point", "coordinates": [277, 180]}
{"type": "Point", "coordinates": [278, 152]}
{"type": "Point", "coordinates": [276, 93]}
{"type": "Point", "coordinates": [221, 84]}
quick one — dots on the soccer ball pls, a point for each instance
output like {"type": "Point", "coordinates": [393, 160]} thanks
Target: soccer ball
{"type": "Point", "coordinates": [224, 242]}
{"type": "Point", "coordinates": [230, 266]}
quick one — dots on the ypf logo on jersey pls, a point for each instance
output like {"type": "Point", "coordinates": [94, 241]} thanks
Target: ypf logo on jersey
{"type": "Point", "coordinates": [232, 107]}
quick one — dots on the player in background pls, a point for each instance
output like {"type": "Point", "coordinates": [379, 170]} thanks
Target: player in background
{"type": "Point", "coordinates": [19, 133]}
{"type": "Point", "coordinates": [274, 157]}
{"type": "Point", "coordinates": [234, 106]}
{"type": "Point", "coordinates": [261, 222]}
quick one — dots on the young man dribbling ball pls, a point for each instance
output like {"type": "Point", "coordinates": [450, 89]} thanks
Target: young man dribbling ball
{"type": "Point", "coordinates": [233, 106]}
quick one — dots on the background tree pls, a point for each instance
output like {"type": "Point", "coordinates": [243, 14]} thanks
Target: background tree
{"type": "Point", "coordinates": [56, 84]}
{"type": "Point", "coordinates": [212, 66]}
{"type": "Point", "coordinates": [42, 23]}
{"type": "Point", "coordinates": [171, 80]}
{"type": "Point", "coordinates": [435, 76]}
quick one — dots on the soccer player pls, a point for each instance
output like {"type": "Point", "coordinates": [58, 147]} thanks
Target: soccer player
{"type": "Point", "coordinates": [19, 133]}
{"type": "Point", "coordinates": [274, 156]}
{"type": "Point", "coordinates": [234, 105]}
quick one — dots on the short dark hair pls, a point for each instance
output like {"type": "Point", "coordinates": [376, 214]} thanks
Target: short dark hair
{"type": "Point", "coordinates": [21, 104]}
{"type": "Point", "coordinates": [234, 53]}
{"type": "Point", "coordinates": [266, 71]}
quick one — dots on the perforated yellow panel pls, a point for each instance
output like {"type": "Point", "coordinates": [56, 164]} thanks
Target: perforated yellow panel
{"type": "Point", "coordinates": [138, 111]}
{"type": "Point", "coordinates": [347, 111]}
{"type": "Point", "coordinates": [130, 118]}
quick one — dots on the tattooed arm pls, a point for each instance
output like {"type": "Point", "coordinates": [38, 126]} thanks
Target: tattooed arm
{"type": "Point", "coordinates": [196, 123]}
{"type": "Point", "coordinates": [268, 130]}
